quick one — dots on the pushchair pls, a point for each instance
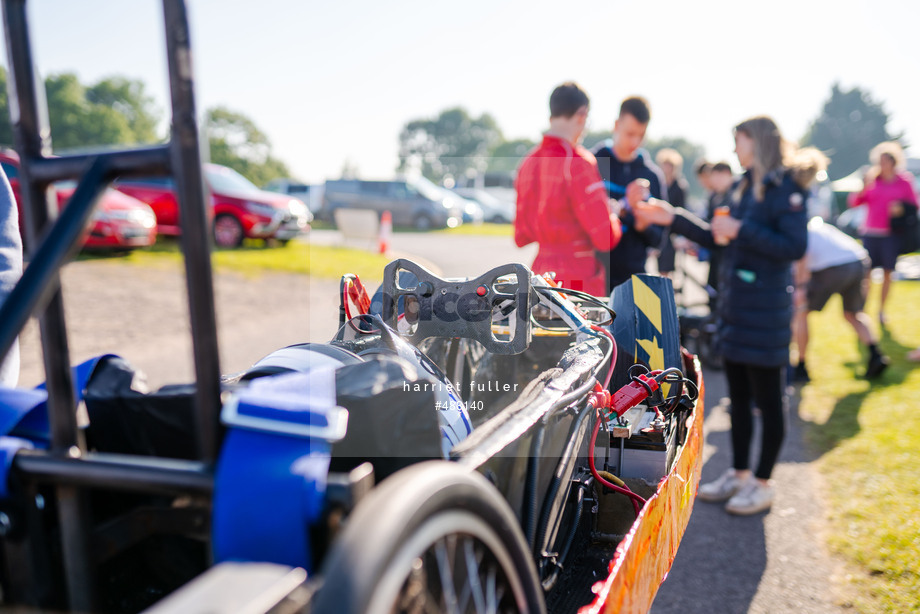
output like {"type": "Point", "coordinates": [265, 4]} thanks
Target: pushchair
{"type": "Point", "coordinates": [695, 299]}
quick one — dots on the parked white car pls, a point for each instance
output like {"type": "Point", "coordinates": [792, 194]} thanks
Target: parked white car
{"type": "Point", "coordinates": [311, 195]}
{"type": "Point", "coordinates": [494, 210]}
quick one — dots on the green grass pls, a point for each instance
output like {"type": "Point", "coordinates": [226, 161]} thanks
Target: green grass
{"type": "Point", "coordinates": [868, 436]}
{"type": "Point", "coordinates": [484, 229]}
{"type": "Point", "coordinates": [254, 258]}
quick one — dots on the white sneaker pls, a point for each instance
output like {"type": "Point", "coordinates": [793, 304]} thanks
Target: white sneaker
{"type": "Point", "coordinates": [754, 497]}
{"type": "Point", "coordinates": [722, 489]}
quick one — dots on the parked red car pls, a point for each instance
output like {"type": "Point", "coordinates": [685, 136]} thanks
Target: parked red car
{"type": "Point", "coordinates": [119, 222]}
{"type": "Point", "coordinates": [240, 209]}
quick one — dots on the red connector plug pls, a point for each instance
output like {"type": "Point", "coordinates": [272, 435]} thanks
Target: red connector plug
{"type": "Point", "coordinates": [359, 296]}
{"type": "Point", "coordinates": [632, 394]}
{"type": "Point", "coordinates": [599, 397]}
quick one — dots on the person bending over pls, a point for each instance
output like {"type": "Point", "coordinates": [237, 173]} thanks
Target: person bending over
{"type": "Point", "coordinates": [834, 264]}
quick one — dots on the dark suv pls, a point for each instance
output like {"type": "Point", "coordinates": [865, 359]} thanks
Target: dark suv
{"type": "Point", "coordinates": [412, 202]}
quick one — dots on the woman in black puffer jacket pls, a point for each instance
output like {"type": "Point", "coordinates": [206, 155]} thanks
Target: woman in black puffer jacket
{"type": "Point", "coordinates": [763, 235]}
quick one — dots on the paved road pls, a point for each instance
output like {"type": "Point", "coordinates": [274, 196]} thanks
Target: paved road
{"type": "Point", "coordinates": [766, 563]}
{"type": "Point", "coordinates": [771, 562]}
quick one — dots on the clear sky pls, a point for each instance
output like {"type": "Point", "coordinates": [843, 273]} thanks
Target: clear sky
{"type": "Point", "coordinates": [334, 80]}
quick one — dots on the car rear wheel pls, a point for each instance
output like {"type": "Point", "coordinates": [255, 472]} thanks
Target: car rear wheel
{"type": "Point", "coordinates": [228, 231]}
{"type": "Point", "coordinates": [434, 537]}
{"type": "Point", "coordinates": [423, 222]}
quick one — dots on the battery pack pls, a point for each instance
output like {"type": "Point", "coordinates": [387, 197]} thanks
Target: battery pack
{"type": "Point", "coordinates": [637, 448]}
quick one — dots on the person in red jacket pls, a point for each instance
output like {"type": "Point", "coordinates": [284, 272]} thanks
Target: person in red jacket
{"type": "Point", "coordinates": [561, 199]}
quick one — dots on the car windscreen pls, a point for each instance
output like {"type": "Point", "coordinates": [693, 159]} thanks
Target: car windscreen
{"type": "Point", "coordinates": [223, 180]}
{"type": "Point", "coordinates": [167, 183]}
{"type": "Point", "coordinates": [11, 171]}
{"type": "Point", "coordinates": [481, 196]}
{"type": "Point", "coordinates": [427, 189]}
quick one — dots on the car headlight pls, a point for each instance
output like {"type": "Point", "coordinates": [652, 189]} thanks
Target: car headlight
{"type": "Point", "coordinates": [261, 209]}
{"type": "Point", "coordinates": [142, 217]}
{"type": "Point", "coordinates": [297, 208]}
{"type": "Point", "coordinates": [146, 218]}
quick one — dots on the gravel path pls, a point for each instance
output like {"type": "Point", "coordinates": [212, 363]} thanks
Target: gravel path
{"type": "Point", "coordinates": [140, 313]}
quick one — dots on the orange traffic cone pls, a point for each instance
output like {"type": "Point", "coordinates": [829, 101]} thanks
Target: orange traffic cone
{"type": "Point", "coordinates": [386, 229]}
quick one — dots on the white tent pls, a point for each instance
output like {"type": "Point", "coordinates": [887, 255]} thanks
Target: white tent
{"type": "Point", "coordinates": [852, 182]}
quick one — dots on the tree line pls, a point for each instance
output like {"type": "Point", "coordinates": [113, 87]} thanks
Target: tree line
{"type": "Point", "coordinates": [119, 111]}
{"type": "Point", "coordinates": [454, 143]}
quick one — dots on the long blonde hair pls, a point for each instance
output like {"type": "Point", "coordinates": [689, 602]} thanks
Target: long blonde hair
{"type": "Point", "coordinates": [672, 157]}
{"type": "Point", "coordinates": [774, 153]}
{"type": "Point", "coordinates": [893, 150]}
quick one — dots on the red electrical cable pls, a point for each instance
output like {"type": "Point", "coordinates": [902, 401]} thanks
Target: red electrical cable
{"type": "Point", "coordinates": [636, 499]}
{"type": "Point", "coordinates": [613, 353]}
{"type": "Point", "coordinates": [345, 298]}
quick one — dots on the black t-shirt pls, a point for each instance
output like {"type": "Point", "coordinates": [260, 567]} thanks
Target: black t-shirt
{"type": "Point", "coordinates": [677, 192]}
{"type": "Point", "coordinates": [630, 254]}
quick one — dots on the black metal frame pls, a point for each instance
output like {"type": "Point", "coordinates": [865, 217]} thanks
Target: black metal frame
{"type": "Point", "coordinates": [67, 465]}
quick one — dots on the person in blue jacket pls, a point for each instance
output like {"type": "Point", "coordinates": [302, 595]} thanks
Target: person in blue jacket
{"type": "Point", "coordinates": [10, 269]}
{"type": "Point", "coordinates": [765, 233]}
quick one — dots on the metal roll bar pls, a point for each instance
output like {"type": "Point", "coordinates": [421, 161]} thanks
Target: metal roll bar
{"type": "Point", "coordinates": [52, 243]}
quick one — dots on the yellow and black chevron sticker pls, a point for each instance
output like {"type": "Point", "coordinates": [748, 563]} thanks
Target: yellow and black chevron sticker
{"type": "Point", "coordinates": [657, 330]}
{"type": "Point", "coordinates": [648, 325]}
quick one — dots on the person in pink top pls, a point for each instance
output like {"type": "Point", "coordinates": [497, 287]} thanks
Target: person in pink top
{"type": "Point", "coordinates": [887, 189]}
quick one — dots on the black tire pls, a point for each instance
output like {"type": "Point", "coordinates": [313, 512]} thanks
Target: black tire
{"type": "Point", "coordinates": [424, 222]}
{"type": "Point", "coordinates": [228, 231]}
{"type": "Point", "coordinates": [431, 517]}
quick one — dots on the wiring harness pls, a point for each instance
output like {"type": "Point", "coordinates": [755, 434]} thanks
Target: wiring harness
{"type": "Point", "coordinates": [646, 386]}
